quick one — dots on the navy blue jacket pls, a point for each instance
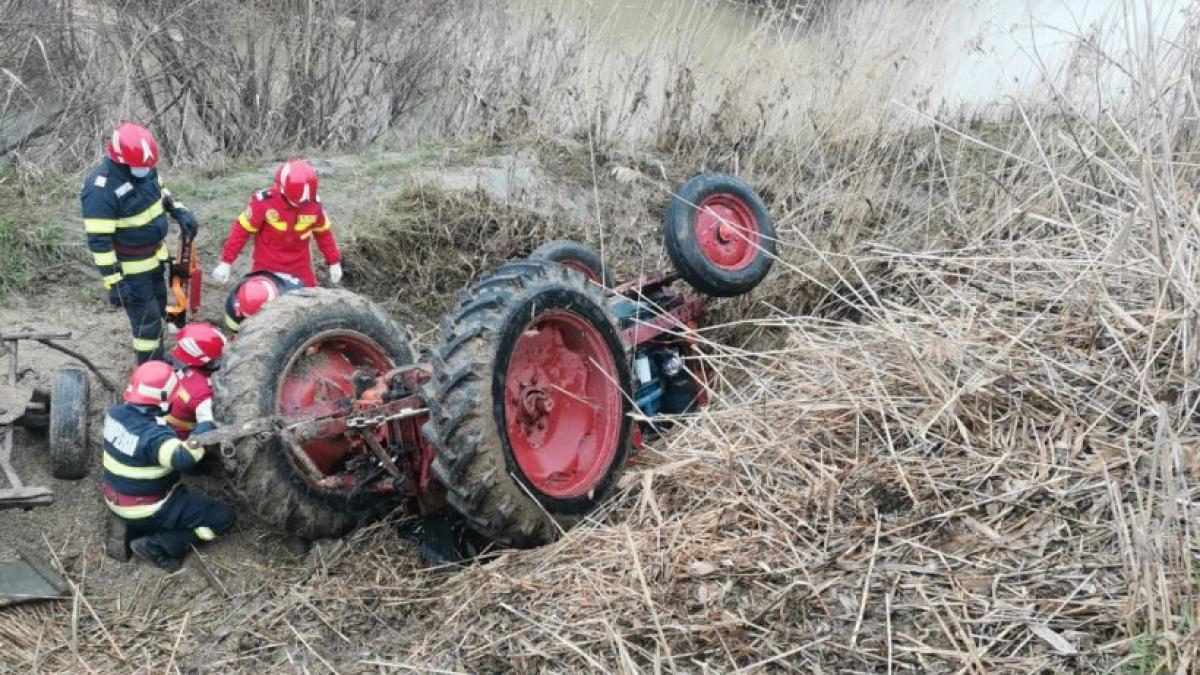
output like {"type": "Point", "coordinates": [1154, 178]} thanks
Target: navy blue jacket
{"type": "Point", "coordinates": [125, 219]}
{"type": "Point", "coordinates": [142, 456]}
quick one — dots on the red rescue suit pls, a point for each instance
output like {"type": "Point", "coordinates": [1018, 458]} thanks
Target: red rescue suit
{"type": "Point", "coordinates": [194, 388]}
{"type": "Point", "coordinates": [282, 236]}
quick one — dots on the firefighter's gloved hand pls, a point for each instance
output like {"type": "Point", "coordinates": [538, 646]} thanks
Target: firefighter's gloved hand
{"type": "Point", "coordinates": [221, 272]}
{"type": "Point", "coordinates": [335, 273]}
{"type": "Point", "coordinates": [188, 224]}
{"type": "Point", "coordinates": [204, 411]}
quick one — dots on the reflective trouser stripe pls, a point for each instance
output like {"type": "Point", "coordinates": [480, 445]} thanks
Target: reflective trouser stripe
{"type": "Point", "coordinates": [205, 533]}
{"type": "Point", "coordinates": [116, 468]}
{"type": "Point", "coordinates": [111, 279]}
{"type": "Point", "coordinates": [161, 253]}
{"type": "Point", "coordinates": [104, 258]}
{"type": "Point", "coordinates": [143, 218]}
{"type": "Point", "coordinates": [142, 345]}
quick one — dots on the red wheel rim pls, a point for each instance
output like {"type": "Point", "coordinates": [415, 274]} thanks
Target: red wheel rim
{"type": "Point", "coordinates": [318, 376]}
{"type": "Point", "coordinates": [562, 405]}
{"type": "Point", "coordinates": [584, 269]}
{"type": "Point", "coordinates": [727, 231]}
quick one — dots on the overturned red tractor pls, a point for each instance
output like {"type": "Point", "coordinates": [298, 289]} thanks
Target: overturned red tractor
{"type": "Point", "coordinates": [521, 420]}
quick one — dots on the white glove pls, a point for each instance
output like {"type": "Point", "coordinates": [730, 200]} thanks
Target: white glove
{"type": "Point", "coordinates": [204, 411]}
{"type": "Point", "coordinates": [335, 273]}
{"type": "Point", "coordinates": [221, 272]}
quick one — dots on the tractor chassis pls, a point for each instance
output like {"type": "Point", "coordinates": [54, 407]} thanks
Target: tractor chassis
{"type": "Point", "coordinates": [386, 454]}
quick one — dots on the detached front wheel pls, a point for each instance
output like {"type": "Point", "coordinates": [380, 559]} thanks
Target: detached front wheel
{"type": "Point", "coordinates": [719, 235]}
{"type": "Point", "coordinates": [529, 404]}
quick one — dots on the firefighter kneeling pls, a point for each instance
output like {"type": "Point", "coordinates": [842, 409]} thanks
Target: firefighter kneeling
{"type": "Point", "coordinates": [142, 462]}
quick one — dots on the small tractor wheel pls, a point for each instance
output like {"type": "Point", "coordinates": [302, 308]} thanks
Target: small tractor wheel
{"type": "Point", "coordinates": [719, 235]}
{"type": "Point", "coordinates": [576, 256]}
{"type": "Point", "coordinates": [529, 404]}
{"type": "Point", "coordinates": [67, 434]}
{"type": "Point", "coordinates": [305, 340]}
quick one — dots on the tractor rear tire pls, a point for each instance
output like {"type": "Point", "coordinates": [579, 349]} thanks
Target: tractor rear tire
{"type": "Point", "coordinates": [246, 388]}
{"type": "Point", "coordinates": [720, 256]}
{"type": "Point", "coordinates": [523, 319]}
{"type": "Point", "coordinates": [576, 256]}
{"type": "Point", "coordinates": [67, 433]}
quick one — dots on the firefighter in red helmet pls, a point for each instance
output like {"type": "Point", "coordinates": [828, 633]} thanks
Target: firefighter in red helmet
{"type": "Point", "coordinates": [284, 220]}
{"type": "Point", "coordinates": [125, 209]}
{"type": "Point", "coordinates": [142, 463]}
{"type": "Point", "coordinates": [253, 292]}
{"type": "Point", "coordinates": [197, 354]}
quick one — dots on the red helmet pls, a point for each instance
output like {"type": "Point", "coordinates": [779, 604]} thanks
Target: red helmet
{"type": "Point", "coordinates": [133, 145]}
{"type": "Point", "coordinates": [253, 294]}
{"type": "Point", "coordinates": [198, 344]}
{"type": "Point", "coordinates": [152, 383]}
{"type": "Point", "coordinates": [297, 181]}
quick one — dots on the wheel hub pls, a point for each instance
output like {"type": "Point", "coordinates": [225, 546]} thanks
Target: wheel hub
{"type": "Point", "coordinates": [320, 375]}
{"type": "Point", "coordinates": [727, 231]}
{"type": "Point", "coordinates": [562, 405]}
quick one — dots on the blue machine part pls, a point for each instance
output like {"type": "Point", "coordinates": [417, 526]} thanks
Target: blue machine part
{"type": "Point", "coordinates": [649, 398]}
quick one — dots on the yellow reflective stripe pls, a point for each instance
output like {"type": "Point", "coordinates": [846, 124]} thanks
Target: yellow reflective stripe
{"type": "Point", "coordinates": [184, 396]}
{"type": "Point", "coordinates": [323, 228]}
{"type": "Point", "coordinates": [135, 512]}
{"type": "Point", "coordinates": [231, 324]}
{"type": "Point", "coordinates": [205, 533]}
{"type": "Point", "coordinates": [142, 345]}
{"type": "Point", "coordinates": [140, 219]}
{"type": "Point", "coordinates": [141, 510]}
{"type": "Point", "coordinates": [139, 266]}
{"type": "Point", "coordinates": [99, 225]}
{"type": "Point", "coordinates": [167, 449]}
{"type": "Point", "coordinates": [245, 223]}
{"type": "Point", "coordinates": [135, 472]}
{"type": "Point", "coordinates": [105, 258]}
{"type": "Point", "coordinates": [111, 280]}
{"type": "Point", "coordinates": [175, 421]}
{"type": "Point", "coordinates": [161, 253]}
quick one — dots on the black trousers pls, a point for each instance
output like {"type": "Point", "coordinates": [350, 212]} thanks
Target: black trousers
{"type": "Point", "coordinates": [186, 518]}
{"type": "Point", "coordinates": [144, 298]}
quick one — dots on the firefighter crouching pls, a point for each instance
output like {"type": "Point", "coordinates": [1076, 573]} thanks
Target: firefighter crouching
{"type": "Point", "coordinates": [125, 211]}
{"type": "Point", "coordinates": [254, 291]}
{"type": "Point", "coordinates": [197, 354]}
{"type": "Point", "coordinates": [142, 463]}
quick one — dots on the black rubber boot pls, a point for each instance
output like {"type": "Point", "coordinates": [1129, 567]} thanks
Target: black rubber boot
{"type": "Point", "coordinates": [116, 538]}
{"type": "Point", "coordinates": [148, 549]}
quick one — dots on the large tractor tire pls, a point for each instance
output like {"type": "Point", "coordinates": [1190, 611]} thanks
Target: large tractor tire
{"type": "Point", "coordinates": [529, 403]}
{"type": "Point", "coordinates": [305, 344]}
{"type": "Point", "coordinates": [576, 256]}
{"type": "Point", "coordinates": [719, 235]}
{"type": "Point", "coordinates": [67, 433]}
